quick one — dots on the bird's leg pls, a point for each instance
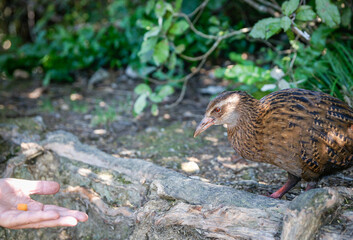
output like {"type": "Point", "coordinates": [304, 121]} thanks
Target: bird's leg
{"type": "Point", "coordinates": [292, 181]}
{"type": "Point", "coordinates": [311, 185]}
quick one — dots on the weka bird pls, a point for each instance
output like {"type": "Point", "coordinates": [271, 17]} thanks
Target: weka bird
{"type": "Point", "coordinates": [309, 134]}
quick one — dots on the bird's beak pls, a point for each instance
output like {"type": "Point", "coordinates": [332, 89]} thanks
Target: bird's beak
{"type": "Point", "coordinates": [205, 123]}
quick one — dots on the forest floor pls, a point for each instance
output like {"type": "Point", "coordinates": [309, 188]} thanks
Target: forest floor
{"type": "Point", "coordinates": [103, 117]}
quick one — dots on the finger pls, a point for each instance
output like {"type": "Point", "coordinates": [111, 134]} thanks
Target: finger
{"type": "Point", "coordinates": [43, 187]}
{"type": "Point", "coordinates": [60, 222]}
{"type": "Point", "coordinates": [16, 218]}
{"type": "Point", "coordinates": [80, 216]}
{"type": "Point", "coordinates": [34, 187]}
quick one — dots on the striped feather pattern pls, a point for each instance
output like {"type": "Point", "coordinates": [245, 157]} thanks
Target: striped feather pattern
{"type": "Point", "coordinates": [307, 133]}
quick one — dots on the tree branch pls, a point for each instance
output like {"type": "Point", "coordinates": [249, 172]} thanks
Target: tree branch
{"type": "Point", "coordinates": [228, 35]}
{"type": "Point", "coordinates": [262, 8]}
{"type": "Point", "coordinates": [199, 8]}
{"type": "Point", "coordinates": [303, 35]}
{"type": "Point", "coordinates": [203, 59]}
{"type": "Point", "coordinates": [199, 11]}
{"type": "Point", "coordinates": [192, 26]}
{"type": "Point", "coordinates": [272, 5]}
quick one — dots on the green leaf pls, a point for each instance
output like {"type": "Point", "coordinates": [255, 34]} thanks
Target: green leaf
{"type": "Point", "coordinates": [214, 20]}
{"type": "Point", "coordinates": [154, 109]}
{"type": "Point", "coordinates": [285, 23]}
{"type": "Point", "coordinates": [179, 27]}
{"type": "Point", "coordinates": [160, 9]}
{"type": "Point", "coordinates": [318, 37]}
{"type": "Point", "coordinates": [172, 61]}
{"type": "Point", "coordinates": [288, 7]}
{"type": "Point", "coordinates": [219, 72]}
{"type": "Point", "coordinates": [161, 52]}
{"type": "Point", "coordinates": [143, 88]}
{"type": "Point", "coordinates": [147, 47]}
{"type": "Point", "coordinates": [346, 17]}
{"type": "Point", "coordinates": [248, 74]}
{"type": "Point", "coordinates": [154, 97]}
{"type": "Point", "coordinates": [328, 12]}
{"type": "Point", "coordinates": [180, 48]}
{"type": "Point", "coordinates": [152, 33]}
{"type": "Point", "coordinates": [149, 6]}
{"type": "Point", "coordinates": [214, 30]}
{"type": "Point", "coordinates": [305, 13]}
{"type": "Point", "coordinates": [178, 5]}
{"type": "Point", "coordinates": [266, 28]}
{"type": "Point", "coordinates": [237, 58]}
{"type": "Point", "coordinates": [290, 35]}
{"type": "Point", "coordinates": [144, 70]}
{"type": "Point", "coordinates": [140, 104]}
{"type": "Point", "coordinates": [47, 79]}
{"type": "Point", "coordinates": [165, 91]}
{"type": "Point", "coordinates": [145, 24]}
{"type": "Point", "coordinates": [167, 22]}
{"type": "Point", "coordinates": [296, 45]}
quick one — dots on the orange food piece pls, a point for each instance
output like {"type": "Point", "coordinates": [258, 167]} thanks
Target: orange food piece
{"type": "Point", "coordinates": [22, 207]}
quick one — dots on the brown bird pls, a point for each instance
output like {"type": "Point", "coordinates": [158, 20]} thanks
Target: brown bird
{"type": "Point", "coordinates": [309, 134]}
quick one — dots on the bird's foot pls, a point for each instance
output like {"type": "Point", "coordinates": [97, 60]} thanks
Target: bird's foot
{"type": "Point", "coordinates": [235, 158]}
{"type": "Point", "coordinates": [276, 195]}
{"type": "Point", "coordinates": [311, 185]}
{"type": "Point", "coordinates": [292, 181]}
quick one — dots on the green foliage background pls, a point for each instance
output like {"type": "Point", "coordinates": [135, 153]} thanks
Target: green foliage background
{"type": "Point", "coordinates": [260, 48]}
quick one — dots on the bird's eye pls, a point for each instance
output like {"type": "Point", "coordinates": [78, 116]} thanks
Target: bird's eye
{"type": "Point", "coordinates": [217, 109]}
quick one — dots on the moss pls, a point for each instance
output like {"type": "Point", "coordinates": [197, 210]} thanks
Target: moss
{"type": "Point", "coordinates": [7, 112]}
{"type": "Point", "coordinates": [122, 180]}
{"type": "Point", "coordinates": [7, 150]}
{"type": "Point", "coordinates": [246, 176]}
{"type": "Point", "coordinates": [28, 127]}
{"type": "Point", "coordinates": [167, 145]}
{"type": "Point", "coordinates": [313, 199]}
{"type": "Point", "coordinates": [26, 124]}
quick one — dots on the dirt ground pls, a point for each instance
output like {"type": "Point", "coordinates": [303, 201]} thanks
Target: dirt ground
{"type": "Point", "coordinates": [103, 117]}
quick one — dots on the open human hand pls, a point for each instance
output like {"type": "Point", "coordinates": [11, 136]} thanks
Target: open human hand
{"type": "Point", "coordinates": [15, 191]}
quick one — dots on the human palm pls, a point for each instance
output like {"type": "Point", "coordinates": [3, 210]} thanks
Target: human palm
{"type": "Point", "coordinates": [15, 191]}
